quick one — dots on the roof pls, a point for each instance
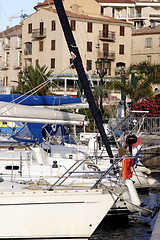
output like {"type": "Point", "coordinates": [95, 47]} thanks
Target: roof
{"type": "Point", "coordinates": [146, 30]}
{"type": "Point", "coordinates": [126, 1]}
{"type": "Point", "coordinates": [115, 1]}
{"type": "Point", "coordinates": [92, 17]}
{"type": "Point", "coordinates": [13, 31]}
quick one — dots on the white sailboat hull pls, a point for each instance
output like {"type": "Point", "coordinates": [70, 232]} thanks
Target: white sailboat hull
{"type": "Point", "coordinates": [55, 215]}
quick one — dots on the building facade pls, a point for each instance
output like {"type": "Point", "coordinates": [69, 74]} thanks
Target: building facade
{"type": "Point", "coordinates": [140, 13]}
{"type": "Point", "coordinates": [146, 45]}
{"type": "Point", "coordinates": [42, 42]}
{"type": "Point", "coordinates": [10, 55]}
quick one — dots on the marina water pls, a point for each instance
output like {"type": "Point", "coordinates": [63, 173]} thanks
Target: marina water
{"type": "Point", "coordinates": [132, 227]}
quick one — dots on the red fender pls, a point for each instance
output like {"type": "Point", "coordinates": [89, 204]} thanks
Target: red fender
{"type": "Point", "coordinates": [127, 165]}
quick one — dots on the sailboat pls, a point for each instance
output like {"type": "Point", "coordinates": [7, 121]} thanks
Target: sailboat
{"type": "Point", "coordinates": [49, 213]}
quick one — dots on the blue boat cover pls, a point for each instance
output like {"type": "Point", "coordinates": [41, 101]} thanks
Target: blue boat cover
{"type": "Point", "coordinates": [39, 100]}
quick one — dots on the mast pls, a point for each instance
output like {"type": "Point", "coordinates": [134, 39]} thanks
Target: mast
{"type": "Point", "coordinates": [81, 73]}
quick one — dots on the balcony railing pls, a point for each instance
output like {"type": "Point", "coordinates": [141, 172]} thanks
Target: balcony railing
{"type": "Point", "coordinates": [107, 36]}
{"type": "Point", "coordinates": [39, 33]}
{"type": "Point", "coordinates": [106, 54]}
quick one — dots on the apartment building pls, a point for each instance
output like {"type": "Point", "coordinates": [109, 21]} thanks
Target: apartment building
{"type": "Point", "coordinates": [40, 40]}
{"type": "Point", "coordinates": [146, 45]}
{"type": "Point", "coordinates": [139, 12]}
{"type": "Point", "coordinates": [97, 37]}
{"type": "Point", "coordinates": [10, 55]}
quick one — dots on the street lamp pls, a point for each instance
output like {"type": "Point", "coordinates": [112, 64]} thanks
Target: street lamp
{"type": "Point", "coordinates": [101, 67]}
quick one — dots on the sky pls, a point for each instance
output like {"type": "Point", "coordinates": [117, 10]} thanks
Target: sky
{"type": "Point", "coordinates": [11, 10]}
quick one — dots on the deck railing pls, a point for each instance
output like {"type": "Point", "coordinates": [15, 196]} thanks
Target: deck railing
{"type": "Point", "coordinates": [150, 125]}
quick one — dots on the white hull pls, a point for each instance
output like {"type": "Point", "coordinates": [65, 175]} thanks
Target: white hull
{"type": "Point", "coordinates": [52, 214]}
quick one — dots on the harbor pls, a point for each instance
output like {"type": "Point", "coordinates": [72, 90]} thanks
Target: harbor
{"type": "Point", "coordinates": [82, 166]}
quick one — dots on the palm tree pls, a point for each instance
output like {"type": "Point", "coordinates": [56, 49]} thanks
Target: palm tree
{"type": "Point", "coordinates": [145, 75]}
{"type": "Point", "coordinates": [32, 77]}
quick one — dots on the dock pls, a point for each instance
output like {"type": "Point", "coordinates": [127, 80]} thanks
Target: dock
{"type": "Point", "coordinates": [156, 229]}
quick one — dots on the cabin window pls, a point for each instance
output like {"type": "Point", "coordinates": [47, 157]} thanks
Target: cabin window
{"type": "Point", "coordinates": [53, 25]}
{"type": "Point", "coordinates": [30, 28]}
{"type": "Point", "coordinates": [41, 46]}
{"type": "Point", "coordinates": [148, 42]}
{"type": "Point", "coordinates": [73, 25]}
{"type": "Point", "coordinates": [53, 44]}
{"type": "Point", "coordinates": [89, 27]}
{"type": "Point", "coordinates": [121, 49]}
{"type": "Point", "coordinates": [121, 30]}
{"type": "Point", "coordinates": [53, 63]}
{"type": "Point", "coordinates": [10, 167]}
{"type": "Point", "coordinates": [89, 46]}
{"type": "Point", "coordinates": [89, 65]}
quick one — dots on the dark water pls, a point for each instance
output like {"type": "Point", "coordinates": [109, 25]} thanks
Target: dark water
{"type": "Point", "coordinates": [132, 227]}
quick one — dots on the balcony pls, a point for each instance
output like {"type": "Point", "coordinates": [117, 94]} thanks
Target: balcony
{"type": "Point", "coordinates": [110, 55]}
{"type": "Point", "coordinates": [39, 33]}
{"type": "Point", "coordinates": [107, 36]}
{"type": "Point", "coordinates": [154, 16]}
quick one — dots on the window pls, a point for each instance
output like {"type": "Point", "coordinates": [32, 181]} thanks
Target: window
{"type": "Point", "coordinates": [52, 62]}
{"type": "Point", "coordinates": [28, 49]}
{"type": "Point", "coordinates": [149, 58]}
{"type": "Point", "coordinates": [30, 28]}
{"type": "Point", "coordinates": [73, 25]}
{"type": "Point", "coordinates": [53, 25]}
{"type": "Point", "coordinates": [5, 81]}
{"type": "Point", "coordinates": [41, 46]}
{"type": "Point", "coordinates": [41, 27]}
{"type": "Point", "coordinates": [89, 65]}
{"type": "Point", "coordinates": [89, 27]}
{"type": "Point", "coordinates": [89, 46]}
{"type": "Point", "coordinates": [121, 49]}
{"type": "Point", "coordinates": [20, 58]}
{"type": "Point", "coordinates": [109, 68]}
{"type": "Point", "coordinates": [37, 62]}
{"type": "Point", "coordinates": [148, 42]}
{"type": "Point", "coordinates": [7, 59]}
{"type": "Point", "coordinates": [121, 30]}
{"type": "Point", "coordinates": [53, 44]}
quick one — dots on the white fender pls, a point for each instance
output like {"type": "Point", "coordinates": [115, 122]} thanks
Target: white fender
{"type": "Point", "coordinates": [133, 202]}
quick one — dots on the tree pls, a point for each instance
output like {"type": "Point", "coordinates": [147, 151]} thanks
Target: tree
{"type": "Point", "coordinates": [145, 75]}
{"type": "Point", "coordinates": [32, 77]}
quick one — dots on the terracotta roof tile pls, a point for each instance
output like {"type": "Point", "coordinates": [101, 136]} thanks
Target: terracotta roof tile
{"type": "Point", "coordinates": [14, 31]}
{"type": "Point", "coordinates": [115, 1]}
{"type": "Point", "coordinates": [92, 17]}
{"type": "Point", "coordinates": [146, 30]}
